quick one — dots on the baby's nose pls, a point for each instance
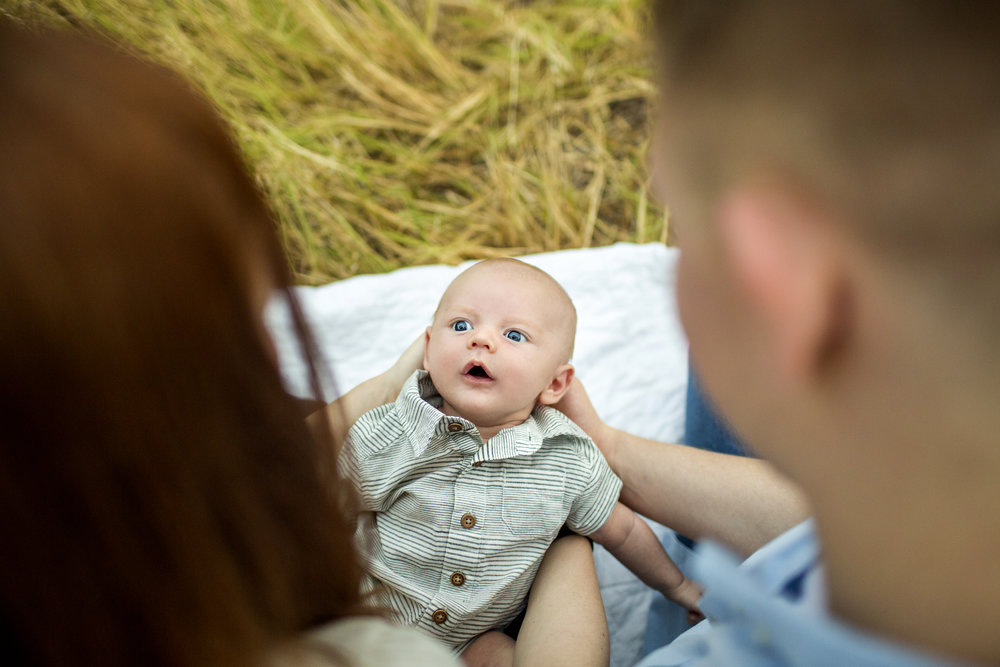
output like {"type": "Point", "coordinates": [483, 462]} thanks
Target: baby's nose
{"type": "Point", "coordinates": [481, 338]}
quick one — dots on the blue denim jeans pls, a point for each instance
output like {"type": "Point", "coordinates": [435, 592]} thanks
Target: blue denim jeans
{"type": "Point", "coordinates": [704, 427]}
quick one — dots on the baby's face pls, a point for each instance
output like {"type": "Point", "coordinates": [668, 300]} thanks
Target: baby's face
{"type": "Point", "coordinates": [498, 340]}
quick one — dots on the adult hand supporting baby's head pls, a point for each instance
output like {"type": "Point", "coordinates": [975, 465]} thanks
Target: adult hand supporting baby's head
{"type": "Point", "coordinates": [576, 405]}
{"type": "Point", "coordinates": [411, 360]}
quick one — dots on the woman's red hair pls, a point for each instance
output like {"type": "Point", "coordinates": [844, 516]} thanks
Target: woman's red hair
{"type": "Point", "coordinates": [162, 501]}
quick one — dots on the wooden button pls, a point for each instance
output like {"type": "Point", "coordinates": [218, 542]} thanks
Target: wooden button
{"type": "Point", "coordinates": [457, 579]}
{"type": "Point", "coordinates": [468, 521]}
{"type": "Point", "coordinates": [477, 464]}
{"type": "Point", "coordinates": [440, 616]}
{"type": "Point", "coordinates": [454, 427]}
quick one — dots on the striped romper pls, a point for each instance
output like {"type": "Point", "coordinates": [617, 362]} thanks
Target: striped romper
{"type": "Point", "coordinates": [456, 528]}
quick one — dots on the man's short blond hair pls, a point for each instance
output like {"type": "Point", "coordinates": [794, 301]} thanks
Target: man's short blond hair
{"type": "Point", "coordinates": [890, 110]}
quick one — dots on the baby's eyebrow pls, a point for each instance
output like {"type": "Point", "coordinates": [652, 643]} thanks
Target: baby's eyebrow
{"type": "Point", "coordinates": [459, 311]}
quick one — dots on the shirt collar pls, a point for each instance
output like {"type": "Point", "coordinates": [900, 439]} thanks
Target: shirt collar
{"type": "Point", "coordinates": [752, 618]}
{"type": "Point", "coordinates": [420, 403]}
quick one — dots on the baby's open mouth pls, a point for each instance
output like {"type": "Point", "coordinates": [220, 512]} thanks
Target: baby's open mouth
{"type": "Point", "coordinates": [478, 371]}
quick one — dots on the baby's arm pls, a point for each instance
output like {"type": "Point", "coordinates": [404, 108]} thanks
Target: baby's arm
{"type": "Point", "coordinates": [631, 541]}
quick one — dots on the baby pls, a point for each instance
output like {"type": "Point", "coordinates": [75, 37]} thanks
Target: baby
{"type": "Point", "coordinates": [469, 475]}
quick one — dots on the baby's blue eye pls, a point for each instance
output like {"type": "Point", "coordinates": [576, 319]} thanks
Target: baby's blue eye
{"type": "Point", "coordinates": [460, 325]}
{"type": "Point", "coordinates": [515, 336]}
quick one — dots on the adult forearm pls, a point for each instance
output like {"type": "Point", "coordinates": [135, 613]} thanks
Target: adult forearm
{"type": "Point", "coordinates": [742, 502]}
{"type": "Point", "coordinates": [564, 623]}
{"type": "Point", "coordinates": [340, 415]}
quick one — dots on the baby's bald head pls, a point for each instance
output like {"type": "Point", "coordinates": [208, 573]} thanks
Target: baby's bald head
{"type": "Point", "coordinates": [560, 314]}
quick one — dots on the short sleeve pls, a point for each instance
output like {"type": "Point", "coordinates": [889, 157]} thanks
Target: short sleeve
{"type": "Point", "coordinates": [596, 489]}
{"type": "Point", "coordinates": [369, 455]}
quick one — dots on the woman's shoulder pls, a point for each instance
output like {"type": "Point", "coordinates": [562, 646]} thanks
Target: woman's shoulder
{"type": "Point", "coordinates": [367, 641]}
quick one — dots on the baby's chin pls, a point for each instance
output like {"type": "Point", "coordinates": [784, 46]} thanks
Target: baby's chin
{"type": "Point", "coordinates": [485, 418]}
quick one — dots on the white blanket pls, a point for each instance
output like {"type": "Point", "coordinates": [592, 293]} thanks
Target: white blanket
{"type": "Point", "coordinates": [631, 354]}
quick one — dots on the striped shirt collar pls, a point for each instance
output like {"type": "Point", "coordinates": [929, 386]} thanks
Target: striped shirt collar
{"type": "Point", "coordinates": [420, 403]}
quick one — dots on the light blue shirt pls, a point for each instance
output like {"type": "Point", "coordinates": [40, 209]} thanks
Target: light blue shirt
{"type": "Point", "coordinates": [771, 610]}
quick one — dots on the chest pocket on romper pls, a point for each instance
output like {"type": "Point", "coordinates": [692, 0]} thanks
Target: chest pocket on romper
{"type": "Point", "coordinates": [533, 500]}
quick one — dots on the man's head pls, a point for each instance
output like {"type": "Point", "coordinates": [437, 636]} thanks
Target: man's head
{"type": "Point", "coordinates": [829, 169]}
{"type": "Point", "coordinates": [500, 343]}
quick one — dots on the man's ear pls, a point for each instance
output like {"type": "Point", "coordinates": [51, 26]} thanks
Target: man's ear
{"type": "Point", "coordinates": [559, 385]}
{"type": "Point", "coordinates": [787, 254]}
{"type": "Point", "coordinates": [427, 342]}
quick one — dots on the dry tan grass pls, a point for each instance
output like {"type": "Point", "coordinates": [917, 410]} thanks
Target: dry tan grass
{"type": "Point", "coordinates": [397, 133]}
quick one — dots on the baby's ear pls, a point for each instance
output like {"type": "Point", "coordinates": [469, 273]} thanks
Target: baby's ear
{"type": "Point", "coordinates": [427, 340]}
{"type": "Point", "coordinates": [559, 385]}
